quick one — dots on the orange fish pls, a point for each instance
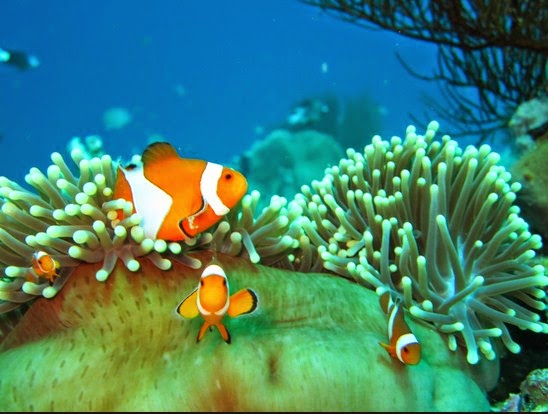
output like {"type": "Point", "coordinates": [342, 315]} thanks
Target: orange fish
{"type": "Point", "coordinates": [212, 300]}
{"type": "Point", "coordinates": [403, 343]}
{"type": "Point", "coordinates": [45, 266]}
{"type": "Point", "coordinates": [178, 198]}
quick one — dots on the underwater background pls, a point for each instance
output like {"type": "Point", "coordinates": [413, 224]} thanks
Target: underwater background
{"type": "Point", "coordinates": [247, 83]}
{"type": "Point", "coordinates": [209, 78]}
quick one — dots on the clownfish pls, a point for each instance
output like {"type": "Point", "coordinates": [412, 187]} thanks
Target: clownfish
{"type": "Point", "coordinates": [403, 344]}
{"type": "Point", "coordinates": [178, 198]}
{"type": "Point", "coordinates": [212, 300]}
{"type": "Point", "coordinates": [45, 266]}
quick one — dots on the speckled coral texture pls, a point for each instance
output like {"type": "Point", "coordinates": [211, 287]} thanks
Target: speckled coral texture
{"type": "Point", "coordinates": [312, 345]}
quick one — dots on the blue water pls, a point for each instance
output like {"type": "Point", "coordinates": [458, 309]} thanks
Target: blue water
{"type": "Point", "coordinates": [203, 75]}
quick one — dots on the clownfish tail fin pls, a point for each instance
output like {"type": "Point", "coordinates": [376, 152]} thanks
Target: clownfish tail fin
{"type": "Point", "coordinates": [224, 333]}
{"type": "Point", "coordinates": [202, 331]}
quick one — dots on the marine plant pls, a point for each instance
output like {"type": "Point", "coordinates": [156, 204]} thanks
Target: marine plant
{"type": "Point", "coordinates": [73, 218]}
{"type": "Point", "coordinates": [436, 225]}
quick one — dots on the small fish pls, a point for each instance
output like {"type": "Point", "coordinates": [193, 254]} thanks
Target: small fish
{"type": "Point", "coordinates": [20, 60]}
{"type": "Point", "coordinates": [403, 343]}
{"type": "Point", "coordinates": [213, 301]}
{"type": "Point", "coordinates": [178, 198]}
{"type": "Point", "coordinates": [45, 266]}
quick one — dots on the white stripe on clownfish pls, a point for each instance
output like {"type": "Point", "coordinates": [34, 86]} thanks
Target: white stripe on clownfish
{"type": "Point", "coordinates": [208, 187]}
{"type": "Point", "coordinates": [143, 192]}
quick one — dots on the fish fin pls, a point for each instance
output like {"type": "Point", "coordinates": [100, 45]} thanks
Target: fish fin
{"type": "Point", "coordinates": [242, 302]}
{"type": "Point", "coordinates": [224, 332]}
{"type": "Point", "coordinates": [386, 301]}
{"type": "Point", "coordinates": [188, 225]}
{"type": "Point", "coordinates": [389, 348]}
{"type": "Point", "coordinates": [199, 222]}
{"type": "Point", "coordinates": [158, 151]}
{"type": "Point", "coordinates": [188, 308]}
{"type": "Point", "coordinates": [202, 331]}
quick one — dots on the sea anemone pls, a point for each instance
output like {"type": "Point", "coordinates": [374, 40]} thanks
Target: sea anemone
{"type": "Point", "coordinates": [73, 218]}
{"type": "Point", "coordinates": [436, 225]}
{"type": "Point", "coordinates": [268, 237]}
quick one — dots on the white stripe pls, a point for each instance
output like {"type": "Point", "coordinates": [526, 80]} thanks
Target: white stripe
{"type": "Point", "coordinates": [214, 270]}
{"type": "Point", "coordinates": [393, 311]}
{"type": "Point", "coordinates": [150, 201]}
{"type": "Point", "coordinates": [403, 341]}
{"type": "Point", "coordinates": [208, 187]}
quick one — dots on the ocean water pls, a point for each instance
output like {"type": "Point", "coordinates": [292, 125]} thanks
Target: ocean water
{"type": "Point", "coordinates": [209, 77]}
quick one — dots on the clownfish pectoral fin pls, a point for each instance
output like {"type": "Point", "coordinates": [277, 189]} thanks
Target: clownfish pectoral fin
{"type": "Point", "coordinates": [199, 221]}
{"type": "Point", "coordinates": [224, 332]}
{"type": "Point", "coordinates": [188, 308]}
{"type": "Point", "coordinates": [242, 302]}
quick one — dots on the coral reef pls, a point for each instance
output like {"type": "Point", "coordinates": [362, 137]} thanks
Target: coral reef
{"type": "Point", "coordinates": [529, 126]}
{"type": "Point", "coordinates": [530, 170]}
{"type": "Point", "coordinates": [280, 163]}
{"type": "Point", "coordinates": [533, 395]}
{"type": "Point", "coordinates": [73, 218]}
{"type": "Point", "coordinates": [477, 42]}
{"type": "Point", "coordinates": [433, 223]}
{"type": "Point", "coordinates": [310, 346]}
{"type": "Point", "coordinates": [436, 225]}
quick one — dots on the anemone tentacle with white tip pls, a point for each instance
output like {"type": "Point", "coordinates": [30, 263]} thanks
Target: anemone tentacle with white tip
{"type": "Point", "coordinates": [436, 225]}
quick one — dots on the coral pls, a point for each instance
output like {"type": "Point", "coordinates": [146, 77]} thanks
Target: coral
{"type": "Point", "coordinates": [477, 42]}
{"type": "Point", "coordinates": [310, 346]}
{"type": "Point", "coordinates": [436, 225]}
{"type": "Point", "coordinates": [533, 396]}
{"type": "Point", "coordinates": [280, 163]}
{"type": "Point", "coordinates": [530, 170]}
{"type": "Point", "coordinates": [530, 121]}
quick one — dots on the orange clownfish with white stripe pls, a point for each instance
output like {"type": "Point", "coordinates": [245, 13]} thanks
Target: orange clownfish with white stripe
{"type": "Point", "coordinates": [43, 265]}
{"type": "Point", "coordinates": [178, 198]}
{"type": "Point", "coordinates": [403, 344]}
{"type": "Point", "coordinates": [213, 301]}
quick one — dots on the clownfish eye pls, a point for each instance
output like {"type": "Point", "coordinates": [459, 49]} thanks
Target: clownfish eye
{"type": "Point", "coordinates": [228, 176]}
{"type": "Point", "coordinates": [224, 282]}
{"type": "Point", "coordinates": [201, 282]}
{"type": "Point", "coordinates": [405, 350]}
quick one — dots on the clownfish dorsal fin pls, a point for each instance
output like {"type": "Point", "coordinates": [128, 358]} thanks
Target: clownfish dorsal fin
{"type": "Point", "coordinates": [386, 301]}
{"type": "Point", "coordinates": [157, 152]}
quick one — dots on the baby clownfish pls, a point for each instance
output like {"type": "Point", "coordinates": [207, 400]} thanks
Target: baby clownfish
{"type": "Point", "coordinates": [45, 266]}
{"type": "Point", "coordinates": [403, 344]}
{"type": "Point", "coordinates": [178, 198]}
{"type": "Point", "coordinates": [212, 300]}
